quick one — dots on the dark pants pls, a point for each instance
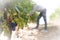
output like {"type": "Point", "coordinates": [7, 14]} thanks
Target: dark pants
{"type": "Point", "coordinates": [13, 26]}
{"type": "Point", "coordinates": [42, 14]}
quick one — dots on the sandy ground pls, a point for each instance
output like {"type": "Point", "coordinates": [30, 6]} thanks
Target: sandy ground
{"type": "Point", "coordinates": [52, 33]}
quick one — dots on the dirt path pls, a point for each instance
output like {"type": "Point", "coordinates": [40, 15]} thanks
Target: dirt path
{"type": "Point", "coordinates": [53, 33]}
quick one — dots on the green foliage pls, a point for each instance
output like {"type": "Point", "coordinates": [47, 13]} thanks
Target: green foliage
{"type": "Point", "coordinates": [34, 17]}
{"type": "Point", "coordinates": [55, 14]}
{"type": "Point", "coordinates": [22, 9]}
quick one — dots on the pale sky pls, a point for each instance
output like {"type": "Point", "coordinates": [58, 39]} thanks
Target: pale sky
{"type": "Point", "coordinates": [50, 5]}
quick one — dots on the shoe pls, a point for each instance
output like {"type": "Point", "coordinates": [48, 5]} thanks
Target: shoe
{"type": "Point", "coordinates": [35, 27]}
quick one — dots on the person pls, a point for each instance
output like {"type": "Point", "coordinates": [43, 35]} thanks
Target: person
{"type": "Point", "coordinates": [42, 11]}
{"type": "Point", "coordinates": [14, 26]}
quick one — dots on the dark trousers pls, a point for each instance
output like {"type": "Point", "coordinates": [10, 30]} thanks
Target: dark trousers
{"type": "Point", "coordinates": [42, 14]}
{"type": "Point", "coordinates": [13, 25]}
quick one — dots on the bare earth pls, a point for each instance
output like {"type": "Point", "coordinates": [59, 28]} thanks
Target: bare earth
{"type": "Point", "coordinates": [52, 33]}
